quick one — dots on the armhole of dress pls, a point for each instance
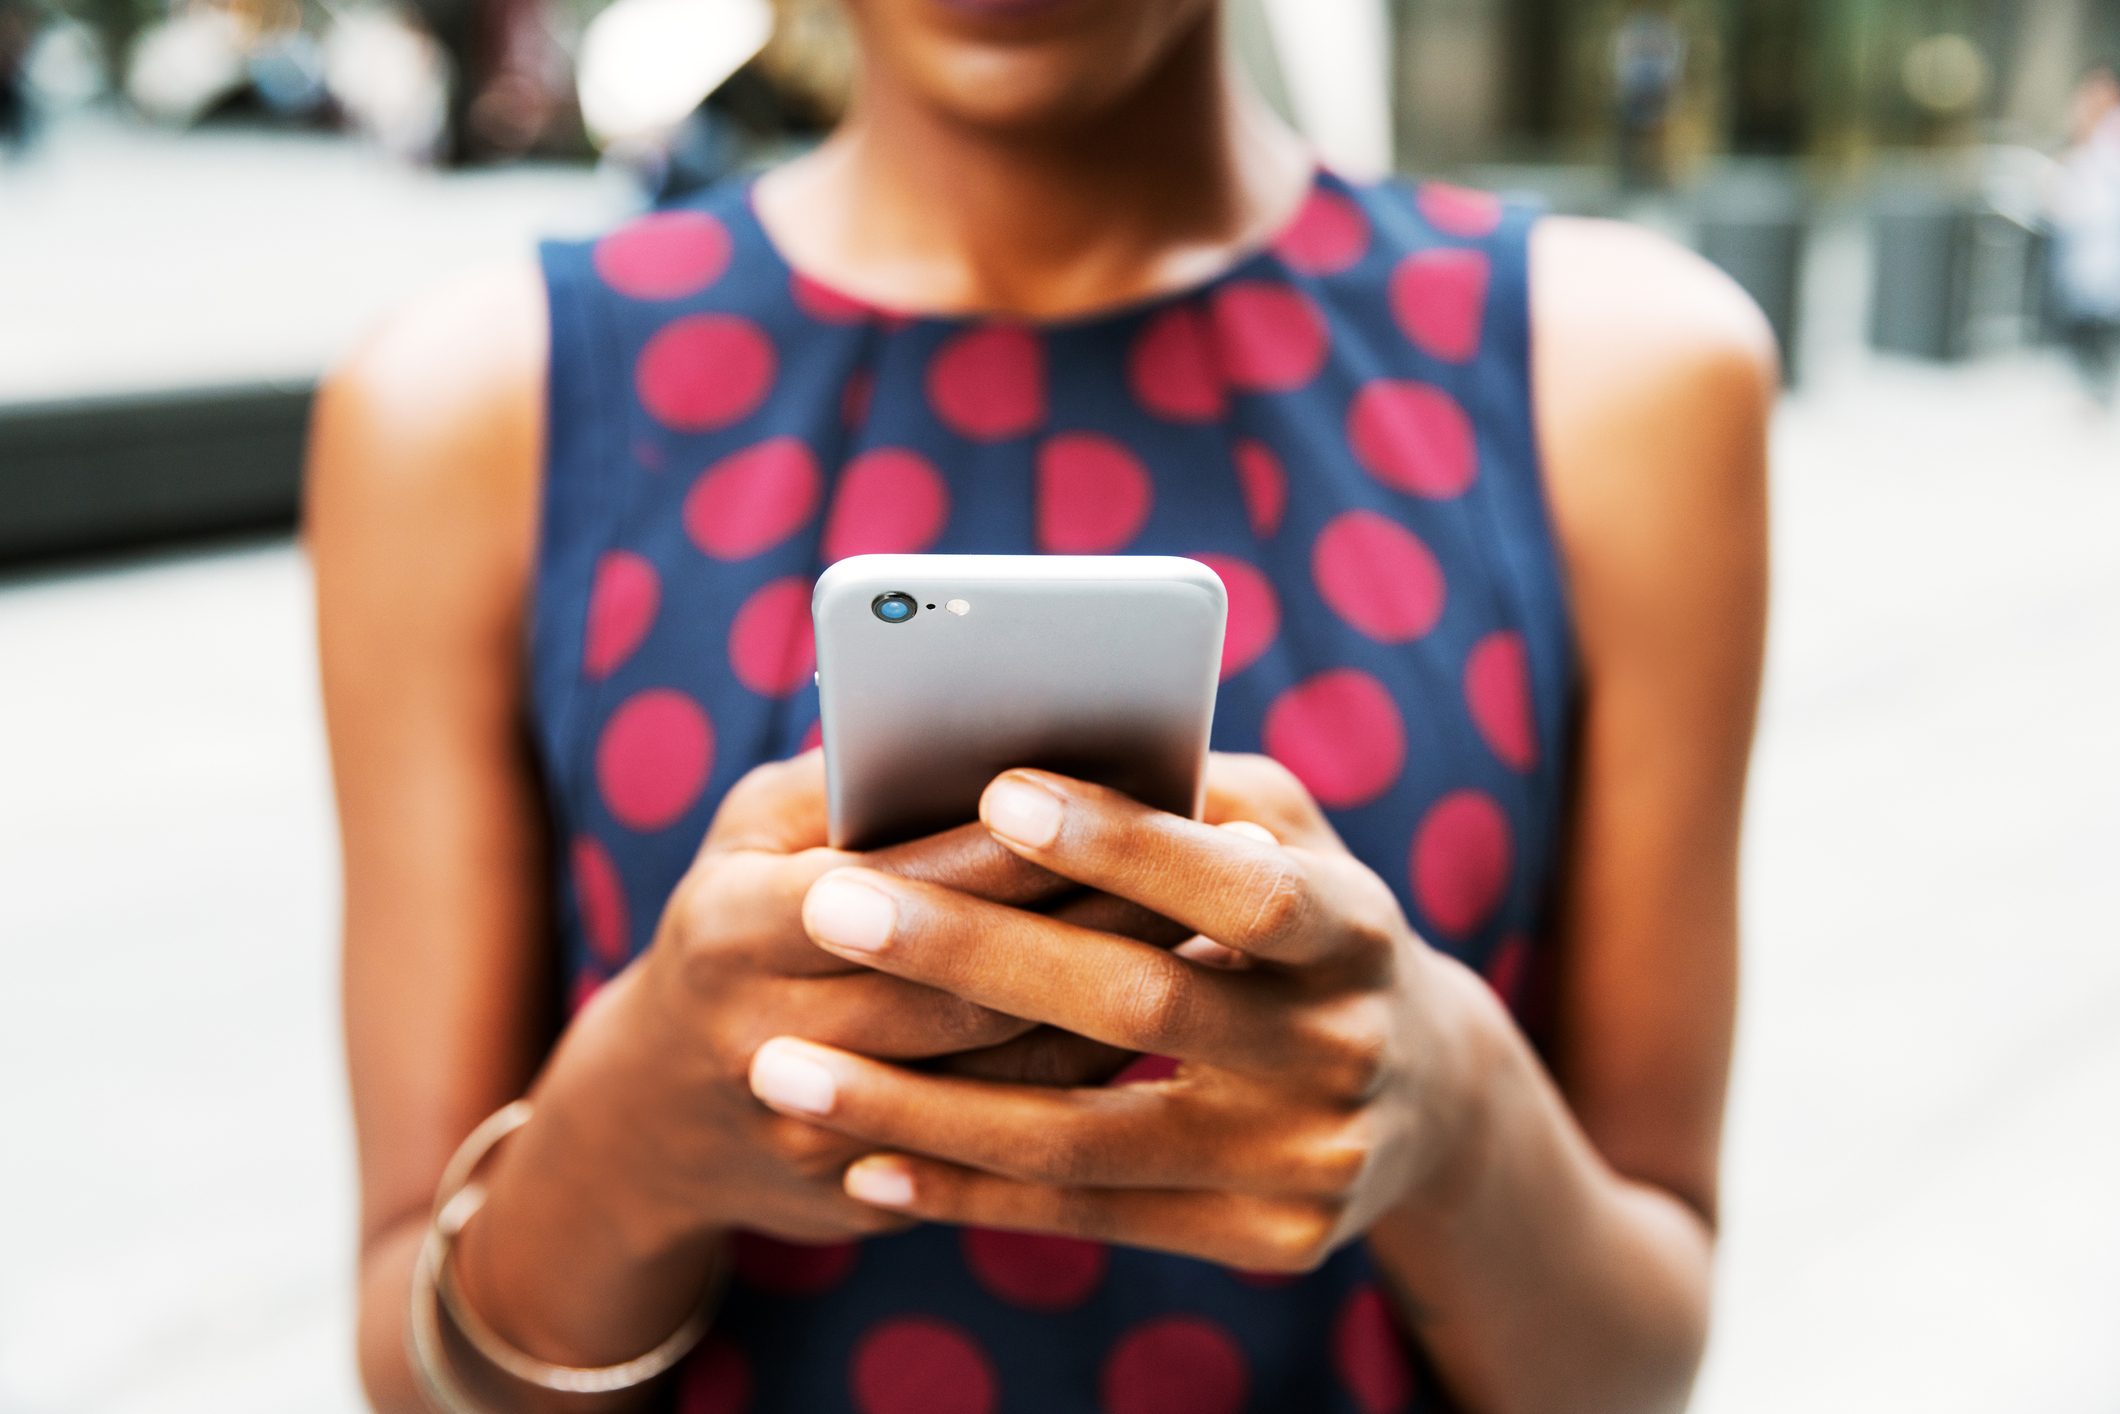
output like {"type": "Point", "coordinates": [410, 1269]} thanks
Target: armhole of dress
{"type": "Point", "coordinates": [1536, 562]}
{"type": "Point", "coordinates": [570, 533]}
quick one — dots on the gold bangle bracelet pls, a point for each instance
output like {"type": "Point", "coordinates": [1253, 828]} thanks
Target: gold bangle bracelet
{"type": "Point", "coordinates": [435, 1291]}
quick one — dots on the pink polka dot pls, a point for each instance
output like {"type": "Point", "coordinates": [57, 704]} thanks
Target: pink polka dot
{"type": "Point", "coordinates": [1498, 693]}
{"type": "Point", "coordinates": [1328, 235]}
{"type": "Point", "coordinates": [921, 1365]}
{"type": "Point", "coordinates": [1341, 734]}
{"type": "Point", "coordinates": [825, 304]}
{"type": "Point", "coordinates": [1175, 1365]}
{"type": "Point", "coordinates": [1271, 338]}
{"type": "Point", "coordinates": [1033, 1270]}
{"type": "Point", "coordinates": [653, 758]}
{"type": "Point", "coordinates": [1171, 367]}
{"type": "Point", "coordinates": [1461, 860]}
{"type": "Point", "coordinates": [1439, 298]}
{"type": "Point", "coordinates": [717, 1380]}
{"type": "Point", "coordinates": [1254, 612]}
{"type": "Point", "coordinates": [813, 738]}
{"type": "Point", "coordinates": [601, 897]}
{"type": "Point", "coordinates": [1093, 495]}
{"type": "Point", "coordinates": [1460, 211]}
{"type": "Point", "coordinates": [1146, 1070]}
{"type": "Point", "coordinates": [1413, 437]}
{"type": "Point", "coordinates": [664, 256]}
{"type": "Point", "coordinates": [889, 501]}
{"type": "Point", "coordinates": [623, 597]}
{"type": "Point", "coordinates": [989, 384]}
{"type": "Point", "coordinates": [791, 1268]}
{"type": "Point", "coordinates": [772, 644]}
{"type": "Point", "coordinates": [753, 499]}
{"type": "Point", "coordinates": [1378, 576]}
{"type": "Point", "coordinates": [704, 371]}
{"type": "Point", "coordinates": [1264, 484]}
{"type": "Point", "coordinates": [1371, 1355]}
{"type": "Point", "coordinates": [854, 398]}
{"type": "Point", "coordinates": [586, 985]}
{"type": "Point", "coordinates": [1509, 969]}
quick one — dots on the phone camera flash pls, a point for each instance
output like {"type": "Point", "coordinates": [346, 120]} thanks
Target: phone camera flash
{"type": "Point", "coordinates": [959, 607]}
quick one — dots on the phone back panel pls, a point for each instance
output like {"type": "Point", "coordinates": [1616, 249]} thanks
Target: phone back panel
{"type": "Point", "coordinates": [1103, 668]}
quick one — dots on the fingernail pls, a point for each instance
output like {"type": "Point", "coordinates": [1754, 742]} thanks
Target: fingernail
{"type": "Point", "coordinates": [1028, 814]}
{"type": "Point", "coordinates": [849, 914]}
{"type": "Point", "coordinates": [786, 1079]}
{"type": "Point", "coordinates": [884, 1182]}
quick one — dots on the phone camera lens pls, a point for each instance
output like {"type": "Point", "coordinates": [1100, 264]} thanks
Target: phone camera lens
{"type": "Point", "coordinates": [895, 608]}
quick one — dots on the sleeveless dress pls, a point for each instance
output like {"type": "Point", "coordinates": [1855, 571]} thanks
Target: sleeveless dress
{"type": "Point", "coordinates": [1339, 424]}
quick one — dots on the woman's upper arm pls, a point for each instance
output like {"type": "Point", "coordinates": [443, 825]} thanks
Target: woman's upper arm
{"type": "Point", "coordinates": [420, 519]}
{"type": "Point", "coordinates": [1655, 379]}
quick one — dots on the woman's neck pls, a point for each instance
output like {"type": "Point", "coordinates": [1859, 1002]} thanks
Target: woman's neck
{"type": "Point", "coordinates": [911, 209]}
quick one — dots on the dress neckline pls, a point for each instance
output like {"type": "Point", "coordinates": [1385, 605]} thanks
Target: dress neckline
{"type": "Point", "coordinates": [1252, 258]}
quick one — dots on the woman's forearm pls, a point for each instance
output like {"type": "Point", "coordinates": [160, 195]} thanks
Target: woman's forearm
{"type": "Point", "coordinates": [1538, 1279]}
{"type": "Point", "coordinates": [569, 1260]}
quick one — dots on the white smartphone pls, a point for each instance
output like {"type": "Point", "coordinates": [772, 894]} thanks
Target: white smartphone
{"type": "Point", "coordinates": [938, 672]}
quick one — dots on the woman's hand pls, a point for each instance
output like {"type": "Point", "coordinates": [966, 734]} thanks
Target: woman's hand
{"type": "Point", "coordinates": [731, 966]}
{"type": "Point", "coordinates": [647, 1145]}
{"type": "Point", "coordinates": [1328, 1076]}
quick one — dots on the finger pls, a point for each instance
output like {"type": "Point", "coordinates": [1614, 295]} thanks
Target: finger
{"type": "Point", "coordinates": [1130, 1136]}
{"type": "Point", "coordinates": [1045, 1055]}
{"type": "Point", "coordinates": [752, 899]}
{"type": "Point", "coordinates": [889, 1017]}
{"type": "Point", "coordinates": [1251, 787]}
{"type": "Point", "coordinates": [1246, 894]}
{"type": "Point", "coordinates": [777, 807]}
{"type": "Point", "coordinates": [1105, 913]}
{"type": "Point", "coordinates": [1233, 1229]}
{"type": "Point", "coordinates": [1111, 989]}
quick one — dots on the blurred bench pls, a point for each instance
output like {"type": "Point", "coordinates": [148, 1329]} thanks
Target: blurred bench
{"type": "Point", "coordinates": [107, 472]}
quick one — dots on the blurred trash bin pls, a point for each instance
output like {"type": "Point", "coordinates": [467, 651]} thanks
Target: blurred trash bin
{"type": "Point", "coordinates": [1925, 244]}
{"type": "Point", "coordinates": [1755, 225]}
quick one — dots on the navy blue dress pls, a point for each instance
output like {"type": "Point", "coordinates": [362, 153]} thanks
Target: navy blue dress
{"type": "Point", "coordinates": [1340, 425]}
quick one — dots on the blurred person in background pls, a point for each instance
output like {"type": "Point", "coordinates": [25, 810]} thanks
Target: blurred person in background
{"type": "Point", "coordinates": [2087, 230]}
{"type": "Point", "coordinates": [1396, 1083]}
{"type": "Point", "coordinates": [1648, 65]}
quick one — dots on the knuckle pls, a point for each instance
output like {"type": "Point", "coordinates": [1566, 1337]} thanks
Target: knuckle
{"type": "Point", "coordinates": [1296, 1238]}
{"type": "Point", "coordinates": [811, 1152]}
{"type": "Point", "coordinates": [1280, 903]}
{"type": "Point", "coordinates": [960, 1025]}
{"type": "Point", "coordinates": [699, 911]}
{"type": "Point", "coordinates": [1351, 1051]}
{"type": "Point", "coordinates": [1155, 1004]}
{"type": "Point", "coordinates": [1334, 1160]}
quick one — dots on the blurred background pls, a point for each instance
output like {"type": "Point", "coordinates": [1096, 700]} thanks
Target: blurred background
{"type": "Point", "coordinates": [202, 202]}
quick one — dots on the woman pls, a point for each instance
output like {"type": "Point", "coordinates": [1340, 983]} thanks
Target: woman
{"type": "Point", "coordinates": [1058, 283]}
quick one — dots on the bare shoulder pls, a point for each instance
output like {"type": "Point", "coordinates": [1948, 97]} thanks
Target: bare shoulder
{"type": "Point", "coordinates": [1655, 378]}
{"type": "Point", "coordinates": [1619, 310]}
{"type": "Point", "coordinates": [426, 442]}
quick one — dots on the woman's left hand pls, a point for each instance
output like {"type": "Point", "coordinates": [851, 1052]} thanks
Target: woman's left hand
{"type": "Point", "coordinates": [1327, 1072]}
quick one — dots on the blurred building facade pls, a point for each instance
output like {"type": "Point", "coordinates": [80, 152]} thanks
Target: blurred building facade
{"type": "Point", "coordinates": [1831, 80]}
